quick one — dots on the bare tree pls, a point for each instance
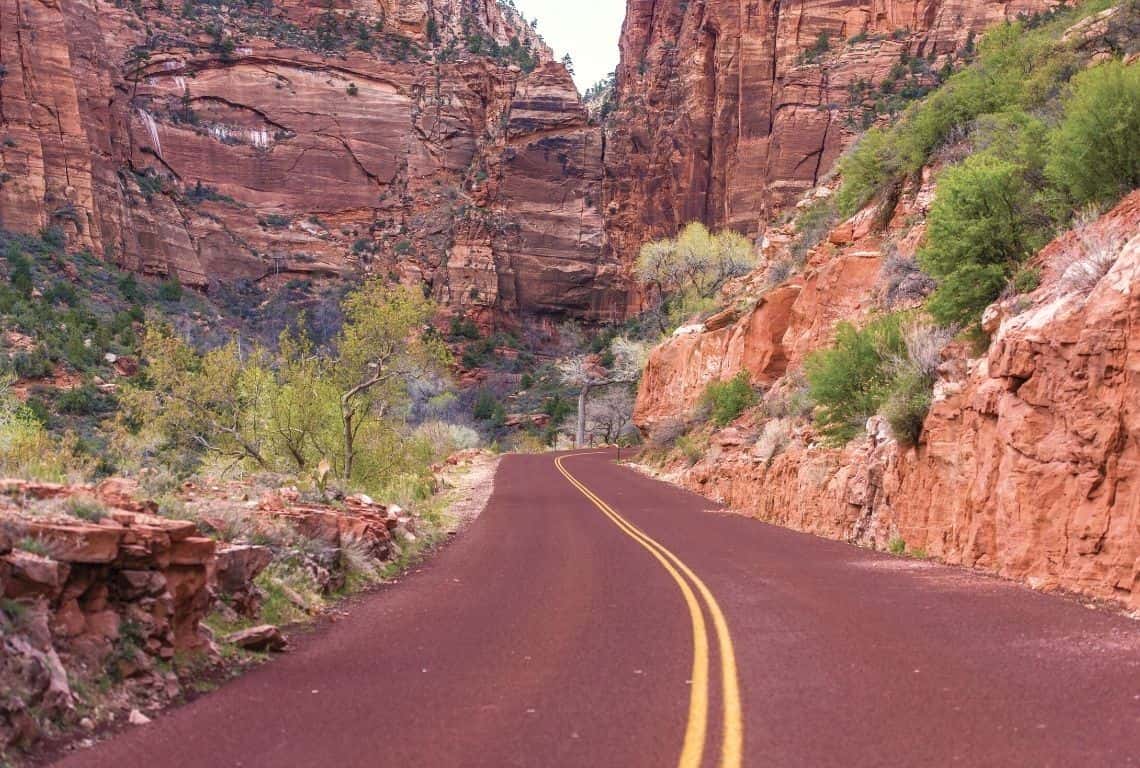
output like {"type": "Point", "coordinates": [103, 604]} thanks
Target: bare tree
{"type": "Point", "coordinates": [587, 373]}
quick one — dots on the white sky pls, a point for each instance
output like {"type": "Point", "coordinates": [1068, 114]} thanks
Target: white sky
{"type": "Point", "coordinates": [586, 29]}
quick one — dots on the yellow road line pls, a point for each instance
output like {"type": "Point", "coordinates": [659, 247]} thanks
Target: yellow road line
{"type": "Point", "coordinates": [694, 744]}
{"type": "Point", "coordinates": [733, 737]}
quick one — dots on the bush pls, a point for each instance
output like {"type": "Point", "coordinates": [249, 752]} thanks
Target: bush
{"type": "Point", "coordinates": [906, 406]}
{"type": "Point", "coordinates": [1094, 155]}
{"type": "Point", "coordinates": [489, 409]}
{"type": "Point", "coordinates": [81, 401]}
{"type": "Point", "coordinates": [812, 226]}
{"type": "Point", "coordinates": [130, 289]}
{"type": "Point", "coordinates": [34, 364]}
{"type": "Point", "coordinates": [728, 399]}
{"type": "Point", "coordinates": [850, 381]}
{"type": "Point", "coordinates": [170, 290]}
{"type": "Point", "coordinates": [978, 230]}
{"type": "Point", "coordinates": [691, 448]}
{"type": "Point", "coordinates": [1016, 70]}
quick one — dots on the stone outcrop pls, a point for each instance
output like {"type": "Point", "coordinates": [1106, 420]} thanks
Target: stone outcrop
{"type": "Point", "coordinates": [96, 588]}
{"type": "Point", "coordinates": [770, 337]}
{"type": "Point", "coordinates": [238, 144]}
{"type": "Point", "coordinates": [1027, 464]}
{"type": "Point", "coordinates": [728, 110]}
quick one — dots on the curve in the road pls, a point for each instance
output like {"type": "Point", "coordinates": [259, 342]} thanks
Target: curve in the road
{"type": "Point", "coordinates": [733, 730]}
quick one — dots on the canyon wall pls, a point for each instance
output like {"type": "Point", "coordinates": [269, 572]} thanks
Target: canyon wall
{"type": "Point", "coordinates": [1029, 463]}
{"type": "Point", "coordinates": [727, 110]}
{"type": "Point", "coordinates": [427, 142]}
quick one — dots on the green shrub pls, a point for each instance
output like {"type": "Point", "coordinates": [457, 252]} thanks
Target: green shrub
{"type": "Point", "coordinates": [897, 546]}
{"type": "Point", "coordinates": [33, 364]}
{"type": "Point", "coordinates": [130, 289]}
{"type": "Point", "coordinates": [489, 409]}
{"type": "Point", "coordinates": [728, 399]}
{"type": "Point", "coordinates": [692, 449]}
{"type": "Point", "coordinates": [19, 271]}
{"type": "Point", "coordinates": [1095, 152]}
{"type": "Point", "coordinates": [906, 406]}
{"type": "Point", "coordinates": [980, 226]}
{"type": "Point", "coordinates": [1026, 280]}
{"type": "Point", "coordinates": [850, 381]}
{"type": "Point", "coordinates": [1015, 70]}
{"type": "Point", "coordinates": [81, 401]}
{"type": "Point", "coordinates": [170, 290]}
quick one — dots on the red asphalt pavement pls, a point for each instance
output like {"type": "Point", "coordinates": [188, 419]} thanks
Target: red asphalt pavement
{"type": "Point", "coordinates": [546, 636]}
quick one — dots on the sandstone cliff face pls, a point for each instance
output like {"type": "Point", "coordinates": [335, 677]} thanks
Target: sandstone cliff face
{"type": "Point", "coordinates": [728, 110]}
{"type": "Point", "coordinates": [1028, 462]}
{"type": "Point", "coordinates": [294, 140]}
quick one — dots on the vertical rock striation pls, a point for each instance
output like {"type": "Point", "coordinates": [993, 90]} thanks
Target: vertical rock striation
{"type": "Point", "coordinates": [727, 110]}
{"type": "Point", "coordinates": [220, 144]}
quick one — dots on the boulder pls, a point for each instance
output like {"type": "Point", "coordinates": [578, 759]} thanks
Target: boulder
{"type": "Point", "coordinates": [264, 637]}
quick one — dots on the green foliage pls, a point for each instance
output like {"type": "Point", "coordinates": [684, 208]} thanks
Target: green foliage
{"type": "Point", "coordinates": [336, 411]}
{"type": "Point", "coordinates": [130, 289]}
{"type": "Point", "coordinates": [726, 400]}
{"type": "Point", "coordinates": [1095, 152]}
{"type": "Point", "coordinates": [28, 450]}
{"type": "Point", "coordinates": [812, 225]}
{"type": "Point", "coordinates": [907, 404]}
{"type": "Point", "coordinates": [691, 448]}
{"type": "Point", "coordinates": [489, 409]}
{"type": "Point", "coordinates": [897, 546]}
{"type": "Point", "coordinates": [170, 290]}
{"type": "Point", "coordinates": [86, 508]}
{"type": "Point", "coordinates": [688, 270]}
{"type": "Point", "coordinates": [850, 381]}
{"type": "Point", "coordinates": [464, 328]}
{"type": "Point", "coordinates": [1015, 70]}
{"type": "Point", "coordinates": [978, 230]}
{"type": "Point", "coordinates": [1026, 280]}
{"type": "Point", "coordinates": [821, 46]}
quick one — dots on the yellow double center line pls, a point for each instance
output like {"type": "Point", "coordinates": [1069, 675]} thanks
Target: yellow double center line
{"type": "Point", "coordinates": [695, 732]}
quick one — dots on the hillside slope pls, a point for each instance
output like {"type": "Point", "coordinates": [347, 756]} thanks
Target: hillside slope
{"type": "Point", "coordinates": [1016, 453]}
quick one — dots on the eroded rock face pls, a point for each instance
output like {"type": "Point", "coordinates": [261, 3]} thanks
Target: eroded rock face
{"type": "Point", "coordinates": [774, 336]}
{"type": "Point", "coordinates": [1027, 465]}
{"type": "Point", "coordinates": [728, 110]}
{"type": "Point", "coordinates": [243, 145]}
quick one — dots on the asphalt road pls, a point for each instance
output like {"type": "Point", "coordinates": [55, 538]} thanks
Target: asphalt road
{"type": "Point", "coordinates": [594, 617]}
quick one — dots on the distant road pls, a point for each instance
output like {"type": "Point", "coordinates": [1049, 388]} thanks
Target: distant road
{"type": "Point", "coordinates": [594, 617]}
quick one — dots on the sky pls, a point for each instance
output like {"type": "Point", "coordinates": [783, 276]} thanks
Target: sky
{"type": "Point", "coordinates": [586, 29]}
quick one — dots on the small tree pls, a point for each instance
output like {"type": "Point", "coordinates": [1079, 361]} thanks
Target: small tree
{"type": "Point", "coordinates": [214, 403]}
{"type": "Point", "coordinates": [692, 267]}
{"type": "Point", "coordinates": [586, 373]}
{"type": "Point", "coordinates": [980, 227]}
{"type": "Point", "coordinates": [384, 343]}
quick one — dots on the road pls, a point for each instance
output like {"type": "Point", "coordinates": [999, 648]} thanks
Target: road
{"type": "Point", "coordinates": [595, 617]}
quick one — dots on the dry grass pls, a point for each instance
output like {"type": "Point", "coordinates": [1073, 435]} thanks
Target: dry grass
{"type": "Point", "coordinates": [924, 344]}
{"type": "Point", "coordinates": [1081, 268]}
{"type": "Point", "coordinates": [773, 440]}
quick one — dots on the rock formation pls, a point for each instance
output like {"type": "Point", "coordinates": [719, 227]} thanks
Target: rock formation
{"type": "Point", "coordinates": [426, 142]}
{"type": "Point", "coordinates": [96, 588]}
{"type": "Point", "coordinates": [727, 110]}
{"type": "Point", "coordinates": [1027, 463]}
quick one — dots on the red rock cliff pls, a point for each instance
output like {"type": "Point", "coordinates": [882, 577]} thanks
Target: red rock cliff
{"type": "Point", "coordinates": [729, 109]}
{"type": "Point", "coordinates": [1028, 462]}
{"type": "Point", "coordinates": [222, 143]}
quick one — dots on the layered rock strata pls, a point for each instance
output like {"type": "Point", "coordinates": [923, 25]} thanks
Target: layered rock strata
{"type": "Point", "coordinates": [430, 143]}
